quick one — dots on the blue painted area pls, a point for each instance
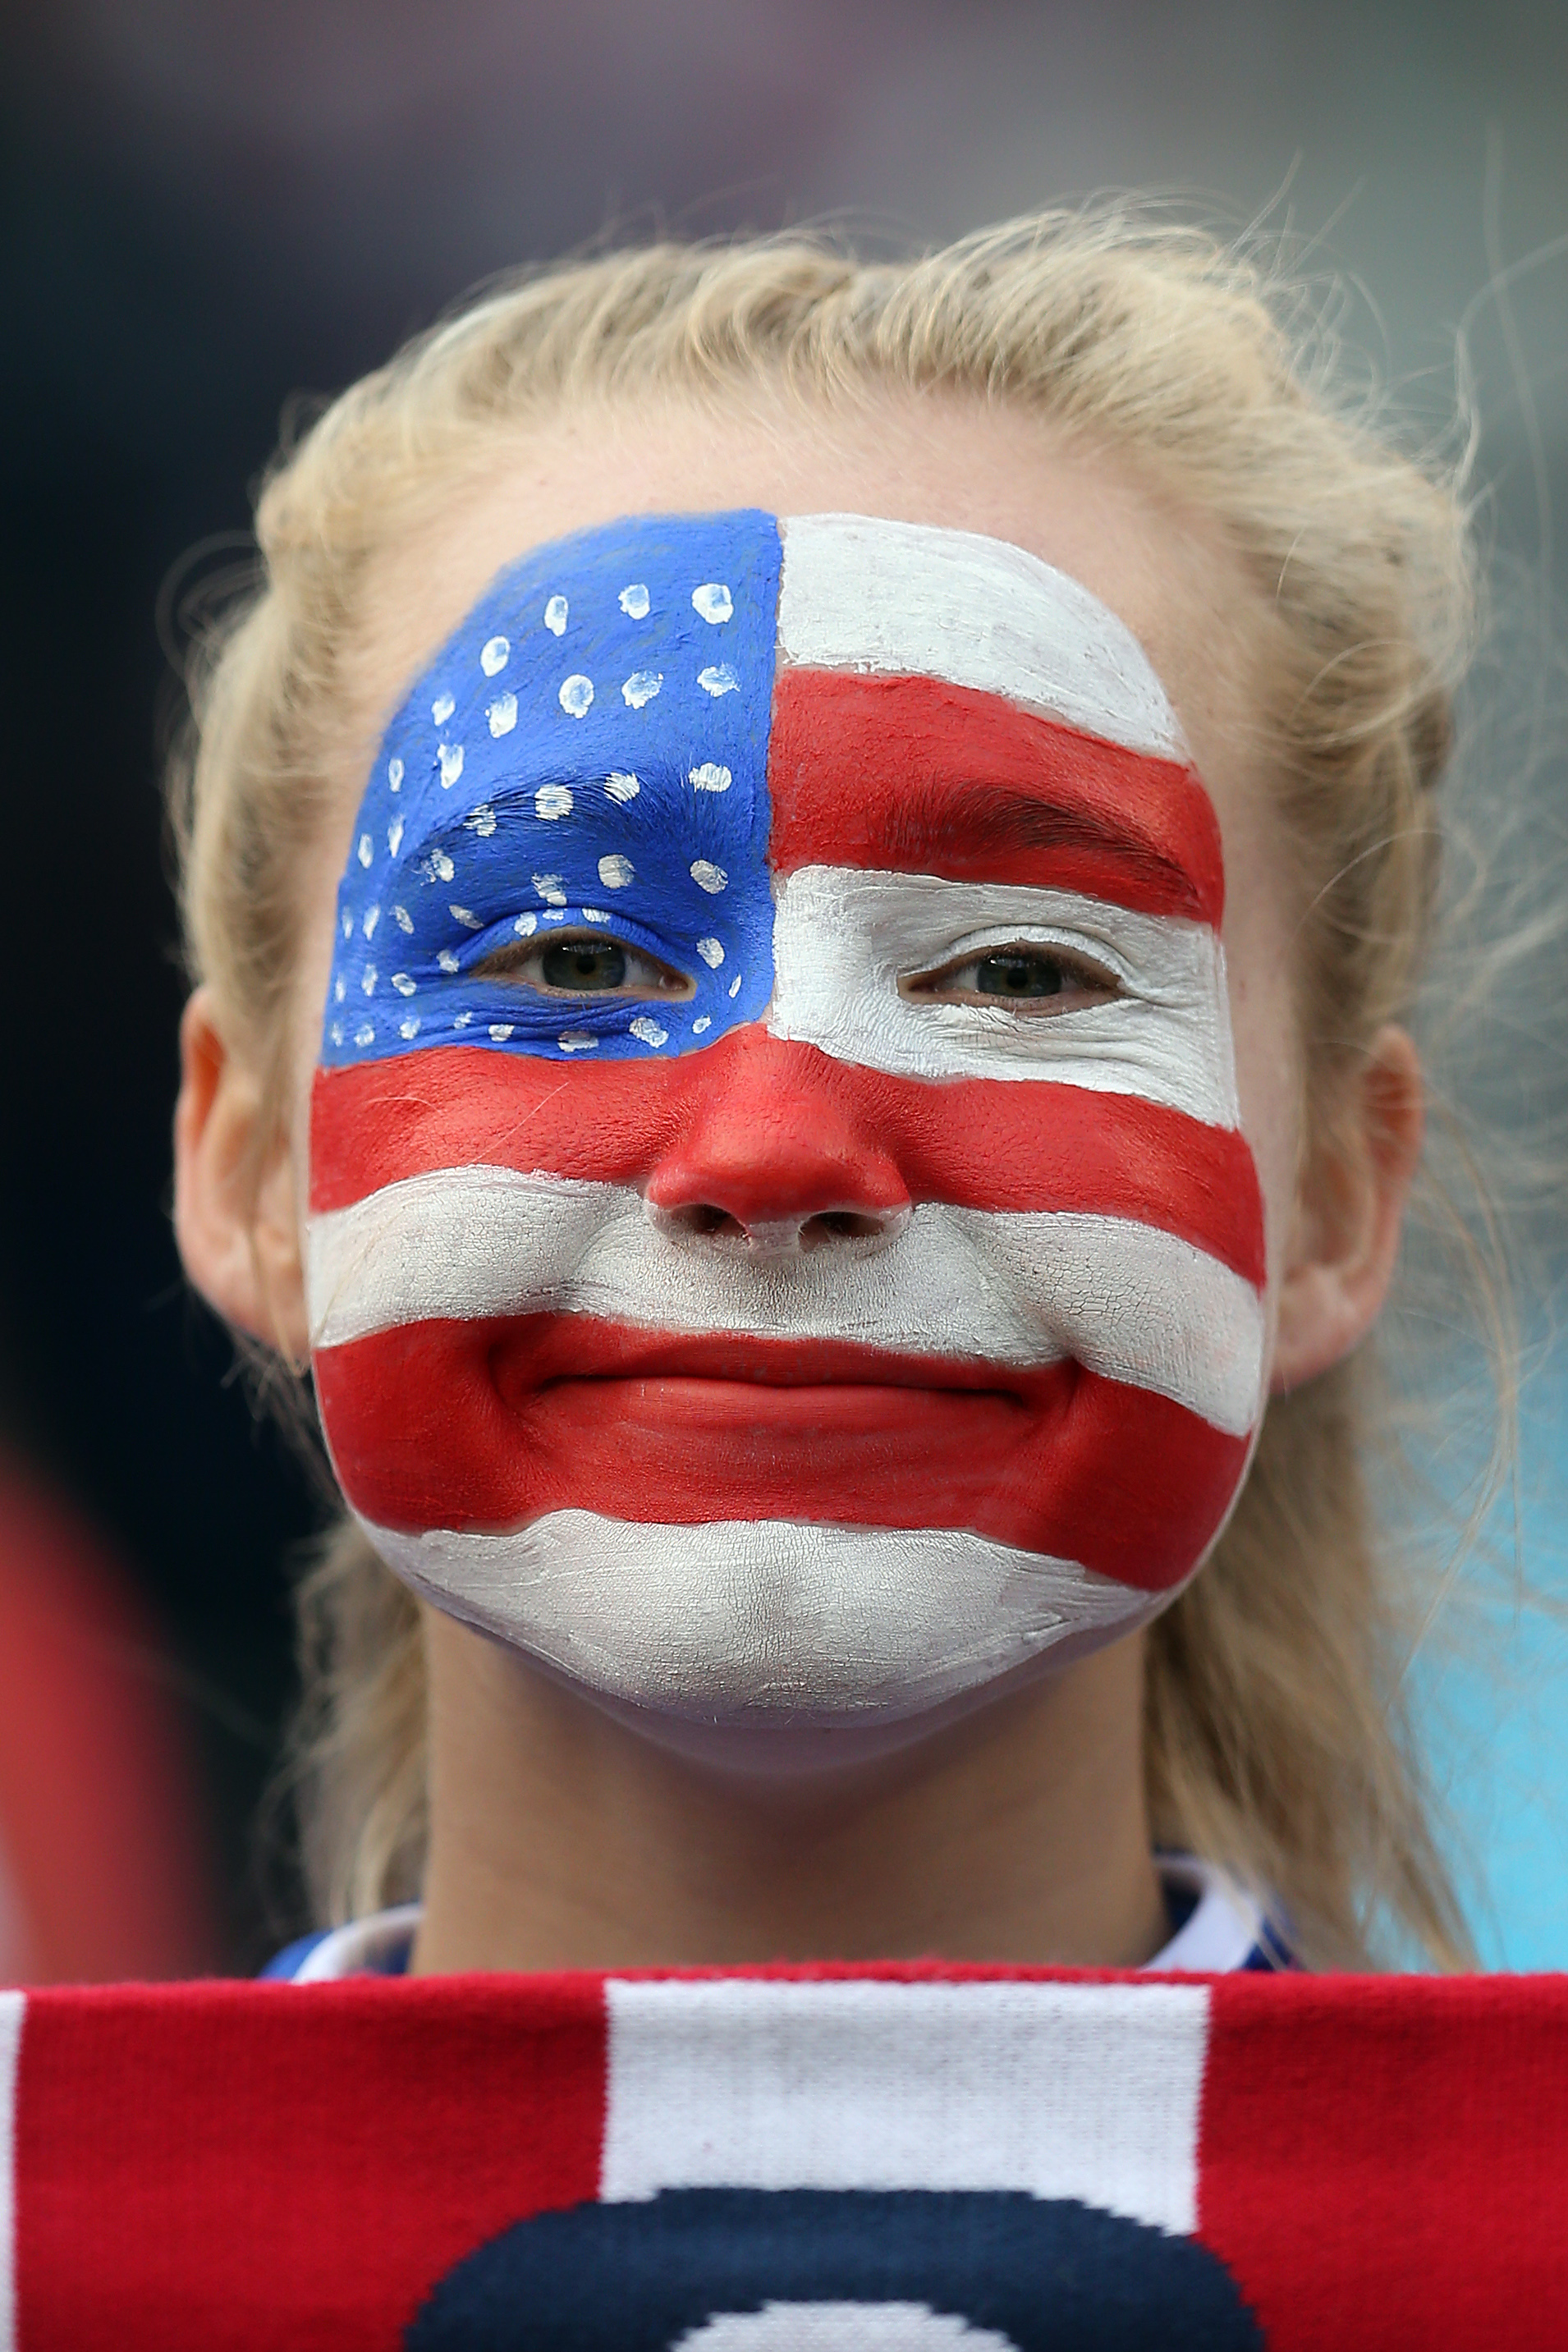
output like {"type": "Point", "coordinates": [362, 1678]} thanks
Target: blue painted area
{"type": "Point", "coordinates": [1492, 1693]}
{"type": "Point", "coordinates": [587, 752]}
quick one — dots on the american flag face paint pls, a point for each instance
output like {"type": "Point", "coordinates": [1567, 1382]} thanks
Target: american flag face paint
{"type": "Point", "coordinates": [781, 1250]}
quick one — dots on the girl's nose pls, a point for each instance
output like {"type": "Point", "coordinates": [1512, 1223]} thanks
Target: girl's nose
{"type": "Point", "coordinates": [775, 1157]}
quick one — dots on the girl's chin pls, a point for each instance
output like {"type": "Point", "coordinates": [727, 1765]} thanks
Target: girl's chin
{"type": "Point", "coordinates": [770, 1647]}
{"type": "Point", "coordinates": [824, 1742]}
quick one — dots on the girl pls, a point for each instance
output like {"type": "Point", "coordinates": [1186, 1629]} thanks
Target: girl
{"type": "Point", "coordinates": [801, 882]}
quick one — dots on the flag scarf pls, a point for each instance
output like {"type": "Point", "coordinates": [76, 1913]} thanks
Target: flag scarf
{"type": "Point", "coordinates": [888, 2159]}
{"type": "Point", "coordinates": [797, 761]}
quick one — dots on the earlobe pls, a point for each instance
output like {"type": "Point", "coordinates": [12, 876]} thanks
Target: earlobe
{"type": "Point", "coordinates": [236, 1230]}
{"type": "Point", "coordinates": [1350, 1210]}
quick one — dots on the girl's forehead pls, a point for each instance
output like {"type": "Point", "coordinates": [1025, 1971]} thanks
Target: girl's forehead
{"type": "Point", "coordinates": [1161, 569]}
{"type": "Point", "coordinates": [578, 508]}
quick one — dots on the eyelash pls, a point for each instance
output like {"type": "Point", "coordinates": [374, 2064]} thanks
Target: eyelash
{"type": "Point", "coordinates": [509, 963]}
{"type": "Point", "coordinates": [1081, 976]}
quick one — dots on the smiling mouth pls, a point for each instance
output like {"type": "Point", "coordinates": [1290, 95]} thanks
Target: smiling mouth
{"type": "Point", "coordinates": [730, 1373]}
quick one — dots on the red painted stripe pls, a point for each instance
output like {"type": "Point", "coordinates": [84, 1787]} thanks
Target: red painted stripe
{"type": "Point", "coordinates": [244, 2167]}
{"type": "Point", "coordinates": [1384, 2164]}
{"type": "Point", "coordinates": [920, 777]}
{"type": "Point", "coordinates": [482, 1425]}
{"type": "Point", "coordinates": [976, 1143]}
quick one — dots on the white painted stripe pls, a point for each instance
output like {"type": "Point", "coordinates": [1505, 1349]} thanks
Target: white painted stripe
{"type": "Point", "coordinates": [845, 938]}
{"type": "Point", "coordinates": [908, 599]}
{"type": "Point", "coordinates": [766, 1625]}
{"type": "Point", "coordinates": [1023, 1288]}
{"type": "Point", "coordinates": [1067, 2091]}
{"type": "Point", "coordinates": [13, 2013]}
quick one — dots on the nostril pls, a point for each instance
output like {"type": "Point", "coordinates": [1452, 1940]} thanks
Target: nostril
{"type": "Point", "coordinates": [706, 1221]}
{"type": "Point", "coordinates": [841, 1225]}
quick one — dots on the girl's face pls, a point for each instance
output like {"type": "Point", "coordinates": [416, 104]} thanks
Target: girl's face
{"type": "Point", "coordinates": [792, 1203]}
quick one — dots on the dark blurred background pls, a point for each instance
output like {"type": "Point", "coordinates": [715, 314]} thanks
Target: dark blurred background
{"type": "Point", "coordinates": [208, 205]}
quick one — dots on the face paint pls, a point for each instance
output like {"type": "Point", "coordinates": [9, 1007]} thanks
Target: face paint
{"type": "Point", "coordinates": [734, 1280]}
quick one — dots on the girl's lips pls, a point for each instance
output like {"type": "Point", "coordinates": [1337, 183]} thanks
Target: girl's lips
{"type": "Point", "coordinates": [809, 1410]}
{"type": "Point", "coordinates": [780, 1447]}
{"type": "Point", "coordinates": [574, 1386]}
{"type": "Point", "coordinates": [540, 1354]}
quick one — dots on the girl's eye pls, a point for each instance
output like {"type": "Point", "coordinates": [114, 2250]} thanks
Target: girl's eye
{"type": "Point", "coordinates": [576, 964]}
{"type": "Point", "coordinates": [1041, 979]}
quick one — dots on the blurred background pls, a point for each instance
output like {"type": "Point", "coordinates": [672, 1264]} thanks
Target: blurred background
{"type": "Point", "coordinates": [209, 206]}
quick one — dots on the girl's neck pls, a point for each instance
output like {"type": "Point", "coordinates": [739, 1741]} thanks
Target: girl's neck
{"type": "Point", "coordinates": [560, 1839]}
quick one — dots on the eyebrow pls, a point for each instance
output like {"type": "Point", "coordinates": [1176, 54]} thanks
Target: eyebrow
{"type": "Point", "coordinates": [923, 777]}
{"type": "Point", "coordinates": [985, 824]}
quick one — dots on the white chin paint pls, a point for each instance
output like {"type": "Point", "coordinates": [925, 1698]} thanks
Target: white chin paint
{"type": "Point", "coordinates": [769, 1629]}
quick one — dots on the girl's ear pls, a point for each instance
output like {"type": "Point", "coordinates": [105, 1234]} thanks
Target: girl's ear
{"type": "Point", "coordinates": [237, 1233]}
{"type": "Point", "coordinates": [1350, 1209]}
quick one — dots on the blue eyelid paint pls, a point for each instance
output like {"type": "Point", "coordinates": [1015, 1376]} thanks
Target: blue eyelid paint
{"type": "Point", "coordinates": [534, 771]}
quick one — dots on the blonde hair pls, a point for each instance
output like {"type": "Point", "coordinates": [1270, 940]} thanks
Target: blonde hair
{"type": "Point", "coordinates": [1276, 1737]}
